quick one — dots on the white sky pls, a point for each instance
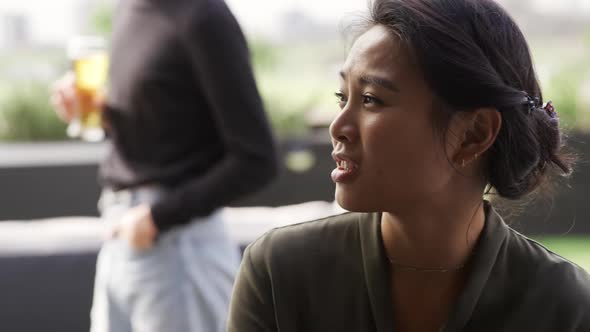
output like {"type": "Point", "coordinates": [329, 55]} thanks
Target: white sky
{"type": "Point", "coordinates": [563, 6]}
{"type": "Point", "coordinates": [258, 15]}
{"type": "Point", "coordinates": [50, 21]}
{"type": "Point", "coordinates": [56, 20]}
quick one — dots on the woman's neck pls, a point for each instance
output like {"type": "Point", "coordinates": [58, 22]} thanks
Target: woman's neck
{"type": "Point", "coordinates": [433, 236]}
{"type": "Point", "coordinates": [428, 239]}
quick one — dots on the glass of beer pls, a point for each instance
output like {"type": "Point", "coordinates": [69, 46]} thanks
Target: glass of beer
{"type": "Point", "coordinates": [90, 66]}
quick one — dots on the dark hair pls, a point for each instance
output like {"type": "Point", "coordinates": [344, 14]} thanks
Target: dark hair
{"type": "Point", "coordinates": [473, 55]}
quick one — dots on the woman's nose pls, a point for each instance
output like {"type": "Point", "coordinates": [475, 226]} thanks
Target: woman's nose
{"type": "Point", "coordinates": [343, 128]}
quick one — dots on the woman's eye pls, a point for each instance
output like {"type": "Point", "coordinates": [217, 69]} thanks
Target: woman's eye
{"type": "Point", "coordinates": [371, 100]}
{"type": "Point", "coordinates": [341, 98]}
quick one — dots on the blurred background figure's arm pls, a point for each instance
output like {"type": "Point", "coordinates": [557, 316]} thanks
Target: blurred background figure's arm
{"type": "Point", "coordinates": [222, 68]}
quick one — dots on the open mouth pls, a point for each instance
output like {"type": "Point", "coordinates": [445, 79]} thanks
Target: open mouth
{"type": "Point", "coordinates": [345, 169]}
{"type": "Point", "coordinates": [344, 165]}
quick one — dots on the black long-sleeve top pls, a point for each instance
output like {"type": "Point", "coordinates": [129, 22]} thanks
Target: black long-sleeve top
{"type": "Point", "coordinates": [183, 109]}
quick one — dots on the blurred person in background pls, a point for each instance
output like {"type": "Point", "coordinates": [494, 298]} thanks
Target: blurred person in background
{"type": "Point", "coordinates": [187, 136]}
{"type": "Point", "coordinates": [440, 104]}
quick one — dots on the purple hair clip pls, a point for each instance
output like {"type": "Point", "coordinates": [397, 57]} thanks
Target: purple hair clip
{"type": "Point", "coordinates": [550, 109]}
{"type": "Point", "coordinates": [533, 103]}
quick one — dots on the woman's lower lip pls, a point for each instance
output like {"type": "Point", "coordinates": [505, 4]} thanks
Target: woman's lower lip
{"type": "Point", "coordinates": [340, 175]}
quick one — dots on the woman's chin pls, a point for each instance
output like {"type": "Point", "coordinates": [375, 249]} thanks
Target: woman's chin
{"type": "Point", "coordinates": [353, 202]}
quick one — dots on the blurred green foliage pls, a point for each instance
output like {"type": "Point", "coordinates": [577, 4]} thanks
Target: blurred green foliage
{"type": "Point", "coordinates": [285, 115]}
{"type": "Point", "coordinates": [569, 84]}
{"type": "Point", "coordinates": [102, 20]}
{"type": "Point", "coordinates": [572, 247]}
{"type": "Point", "coordinates": [565, 89]}
{"type": "Point", "coordinates": [264, 55]}
{"type": "Point", "coordinates": [26, 114]}
{"type": "Point", "coordinates": [295, 79]}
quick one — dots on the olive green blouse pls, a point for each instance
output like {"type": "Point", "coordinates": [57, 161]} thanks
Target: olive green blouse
{"type": "Point", "coordinates": [333, 275]}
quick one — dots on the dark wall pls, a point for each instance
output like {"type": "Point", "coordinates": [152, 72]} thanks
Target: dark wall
{"type": "Point", "coordinates": [43, 191]}
{"type": "Point", "coordinates": [30, 192]}
{"type": "Point", "coordinates": [46, 293]}
{"type": "Point", "coordinates": [48, 191]}
{"type": "Point", "coordinates": [293, 187]}
{"type": "Point", "coordinates": [568, 211]}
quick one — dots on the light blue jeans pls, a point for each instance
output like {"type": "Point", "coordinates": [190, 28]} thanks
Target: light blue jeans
{"type": "Point", "coordinates": [182, 284]}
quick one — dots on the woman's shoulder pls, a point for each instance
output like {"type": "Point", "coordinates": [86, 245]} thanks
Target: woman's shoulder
{"type": "Point", "coordinates": [307, 242]}
{"type": "Point", "coordinates": [557, 277]}
{"type": "Point", "coordinates": [297, 271]}
{"type": "Point", "coordinates": [308, 233]}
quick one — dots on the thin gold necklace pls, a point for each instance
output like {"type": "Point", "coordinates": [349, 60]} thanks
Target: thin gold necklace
{"type": "Point", "coordinates": [404, 267]}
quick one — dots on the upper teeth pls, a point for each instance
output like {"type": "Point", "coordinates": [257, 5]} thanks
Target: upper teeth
{"type": "Point", "coordinates": [343, 164]}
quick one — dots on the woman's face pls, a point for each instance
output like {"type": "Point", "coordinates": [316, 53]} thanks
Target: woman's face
{"type": "Point", "coordinates": [388, 155]}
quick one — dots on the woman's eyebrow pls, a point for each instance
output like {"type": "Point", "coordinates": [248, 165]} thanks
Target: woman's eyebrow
{"type": "Point", "coordinates": [374, 80]}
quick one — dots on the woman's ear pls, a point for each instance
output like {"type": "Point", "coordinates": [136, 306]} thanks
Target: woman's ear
{"type": "Point", "coordinates": [476, 130]}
